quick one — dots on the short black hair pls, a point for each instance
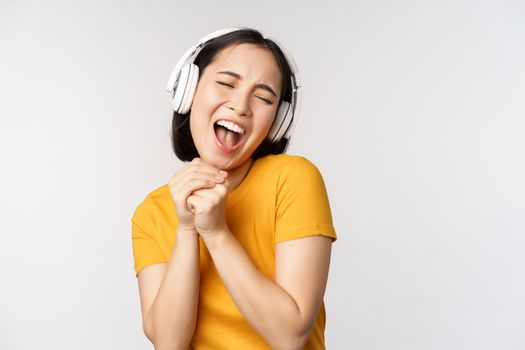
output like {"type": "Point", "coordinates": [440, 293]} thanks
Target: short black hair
{"type": "Point", "coordinates": [181, 138]}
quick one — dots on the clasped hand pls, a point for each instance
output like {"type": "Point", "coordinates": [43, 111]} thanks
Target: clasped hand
{"type": "Point", "coordinates": [199, 193]}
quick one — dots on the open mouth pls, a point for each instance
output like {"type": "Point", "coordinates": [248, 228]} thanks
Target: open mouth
{"type": "Point", "coordinates": [228, 135]}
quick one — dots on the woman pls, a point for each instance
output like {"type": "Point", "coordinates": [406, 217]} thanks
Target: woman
{"type": "Point", "coordinates": [233, 253]}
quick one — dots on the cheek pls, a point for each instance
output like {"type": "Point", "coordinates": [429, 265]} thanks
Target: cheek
{"type": "Point", "coordinates": [263, 124]}
{"type": "Point", "coordinates": [207, 96]}
{"type": "Point", "coordinates": [204, 103]}
{"type": "Point", "coordinates": [268, 118]}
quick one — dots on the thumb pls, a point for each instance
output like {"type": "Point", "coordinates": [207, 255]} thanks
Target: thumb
{"type": "Point", "coordinates": [191, 204]}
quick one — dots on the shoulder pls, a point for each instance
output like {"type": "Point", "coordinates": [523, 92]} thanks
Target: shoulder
{"type": "Point", "coordinates": [286, 163]}
{"type": "Point", "coordinates": [289, 173]}
{"type": "Point", "coordinates": [154, 201]}
{"type": "Point", "coordinates": [159, 194]}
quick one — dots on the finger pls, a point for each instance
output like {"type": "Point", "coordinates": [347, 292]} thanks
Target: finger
{"type": "Point", "coordinates": [212, 195]}
{"type": "Point", "coordinates": [198, 204]}
{"type": "Point", "coordinates": [191, 204]}
{"type": "Point", "coordinates": [192, 182]}
{"type": "Point", "coordinates": [179, 181]}
{"type": "Point", "coordinates": [218, 191]}
{"type": "Point", "coordinates": [195, 179]}
{"type": "Point", "coordinates": [221, 189]}
{"type": "Point", "coordinates": [202, 174]}
{"type": "Point", "coordinates": [196, 169]}
{"type": "Point", "coordinates": [181, 193]}
{"type": "Point", "coordinates": [201, 164]}
{"type": "Point", "coordinates": [201, 192]}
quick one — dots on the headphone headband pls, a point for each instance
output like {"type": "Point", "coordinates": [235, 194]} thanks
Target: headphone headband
{"type": "Point", "coordinates": [283, 123]}
{"type": "Point", "coordinates": [193, 51]}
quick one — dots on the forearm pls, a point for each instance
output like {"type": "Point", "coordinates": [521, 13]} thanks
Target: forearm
{"type": "Point", "coordinates": [171, 319]}
{"type": "Point", "coordinates": [267, 307]}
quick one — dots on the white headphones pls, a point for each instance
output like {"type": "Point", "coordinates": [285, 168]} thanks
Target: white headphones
{"type": "Point", "coordinates": [183, 83]}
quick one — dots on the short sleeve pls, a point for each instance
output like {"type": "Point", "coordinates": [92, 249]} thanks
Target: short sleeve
{"type": "Point", "coordinates": [302, 207]}
{"type": "Point", "coordinates": [146, 250]}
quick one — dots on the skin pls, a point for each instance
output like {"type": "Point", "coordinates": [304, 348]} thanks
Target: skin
{"type": "Point", "coordinates": [221, 96]}
{"type": "Point", "coordinates": [281, 311]}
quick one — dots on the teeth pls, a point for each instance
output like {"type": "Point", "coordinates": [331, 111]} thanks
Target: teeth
{"type": "Point", "coordinates": [231, 126]}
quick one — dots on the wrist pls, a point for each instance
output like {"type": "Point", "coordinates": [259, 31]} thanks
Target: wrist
{"type": "Point", "coordinates": [184, 233]}
{"type": "Point", "coordinates": [215, 239]}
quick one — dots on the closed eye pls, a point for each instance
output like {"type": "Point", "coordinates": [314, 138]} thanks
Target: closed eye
{"type": "Point", "coordinates": [265, 100]}
{"type": "Point", "coordinates": [225, 84]}
{"type": "Point", "coordinates": [231, 86]}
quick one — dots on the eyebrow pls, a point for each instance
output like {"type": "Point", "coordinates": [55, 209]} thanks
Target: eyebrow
{"type": "Point", "coordinates": [260, 85]}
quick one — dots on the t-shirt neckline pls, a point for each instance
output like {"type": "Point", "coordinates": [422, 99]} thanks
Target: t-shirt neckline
{"type": "Point", "coordinates": [237, 194]}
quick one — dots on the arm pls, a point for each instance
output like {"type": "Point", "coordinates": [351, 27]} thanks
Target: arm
{"type": "Point", "coordinates": [169, 295]}
{"type": "Point", "coordinates": [282, 312]}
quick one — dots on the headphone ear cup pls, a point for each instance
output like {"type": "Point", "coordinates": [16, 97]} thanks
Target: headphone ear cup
{"type": "Point", "coordinates": [189, 93]}
{"type": "Point", "coordinates": [278, 127]}
{"type": "Point", "coordinates": [185, 89]}
{"type": "Point", "coordinates": [180, 86]}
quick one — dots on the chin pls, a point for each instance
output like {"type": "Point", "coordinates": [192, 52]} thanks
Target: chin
{"type": "Point", "coordinates": [223, 163]}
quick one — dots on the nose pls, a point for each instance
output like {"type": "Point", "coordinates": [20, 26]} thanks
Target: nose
{"type": "Point", "coordinates": [240, 103]}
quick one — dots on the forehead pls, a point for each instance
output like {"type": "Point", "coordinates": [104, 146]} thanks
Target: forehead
{"type": "Point", "coordinates": [250, 61]}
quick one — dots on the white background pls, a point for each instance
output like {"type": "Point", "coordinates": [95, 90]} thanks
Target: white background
{"type": "Point", "coordinates": [412, 110]}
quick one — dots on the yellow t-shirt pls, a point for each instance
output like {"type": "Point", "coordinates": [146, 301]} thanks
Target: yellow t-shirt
{"type": "Point", "coordinates": [282, 197]}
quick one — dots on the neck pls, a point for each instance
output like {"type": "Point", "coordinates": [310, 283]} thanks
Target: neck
{"type": "Point", "coordinates": [237, 175]}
